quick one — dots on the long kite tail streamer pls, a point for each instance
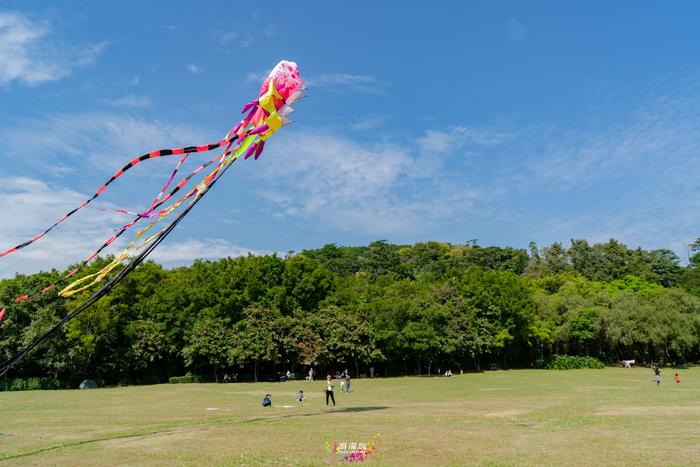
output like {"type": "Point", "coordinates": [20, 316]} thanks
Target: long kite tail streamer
{"type": "Point", "coordinates": [265, 116]}
{"type": "Point", "coordinates": [5, 367]}
{"type": "Point", "coordinates": [110, 240]}
{"type": "Point", "coordinates": [117, 174]}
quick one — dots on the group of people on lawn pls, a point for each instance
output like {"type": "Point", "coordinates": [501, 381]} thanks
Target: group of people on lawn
{"type": "Point", "coordinates": [328, 387]}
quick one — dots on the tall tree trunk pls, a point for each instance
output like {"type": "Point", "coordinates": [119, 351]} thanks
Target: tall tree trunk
{"type": "Point", "coordinates": [255, 371]}
{"type": "Point", "coordinates": [357, 369]}
{"type": "Point", "coordinates": [216, 375]}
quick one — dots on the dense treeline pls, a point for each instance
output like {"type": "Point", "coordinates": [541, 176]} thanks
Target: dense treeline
{"type": "Point", "coordinates": [402, 309]}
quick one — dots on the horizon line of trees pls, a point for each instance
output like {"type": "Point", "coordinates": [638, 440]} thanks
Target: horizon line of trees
{"type": "Point", "coordinates": [404, 309]}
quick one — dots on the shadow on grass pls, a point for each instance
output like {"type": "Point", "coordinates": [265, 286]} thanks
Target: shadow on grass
{"type": "Point", "coordinates": [328, 411]}
{"type": "Point", "coordinates": [362, 409]}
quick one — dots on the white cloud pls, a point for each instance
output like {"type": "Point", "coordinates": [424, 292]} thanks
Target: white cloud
{"type": "Point", "coordinates": [96, 139]}
{"type": "Point", "coordinates": [247, 41]}
{"type": "Point", "coordinates": [90, 143]}
{"type": "Point", "coordinates": [325, 80]}
{"type": "Point", "coordinates": [89, 55]}
{"type": "Point", "coordinates": [333, 81]}
{"type": "Point", "coordinates": [624, 173]}
{"type": "Point", "coordinates": [654, 137]}
{"type": "Point", "coordinates": [374, 189]}
{"type": "Point", "coordinates": [257, 76]}
{"type": "Point", "coordinates": [28, 207]}
{"type": "Point", "coordinates": [32, 206]}
{"type": "Point", "coordinates": [29, 57]}
{"type": "Point", "coordinates": [368, 122]}
{"type": "Point", "coordinates": [129, 101]}
{"type": "Point", "coordinates": [185, 251]}
{"type": "Point", "coordinates": [195, 69]}
{"type": "Point", "coordinates": [340, 79]}
{"type": "Point", "coordinates": [438, 142]}
{"type": "Point", "coordinates": [226, 38]}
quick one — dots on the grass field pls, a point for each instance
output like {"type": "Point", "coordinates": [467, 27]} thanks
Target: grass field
{"type": "Point", "coordinates": [526, 417]}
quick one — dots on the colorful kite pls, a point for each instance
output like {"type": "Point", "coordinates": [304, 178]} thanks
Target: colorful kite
{"type": "Point", "coordinates": [265, 115]}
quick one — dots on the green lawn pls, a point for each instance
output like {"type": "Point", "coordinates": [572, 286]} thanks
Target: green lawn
{"type": "Point", "coordinates": [532, 417]}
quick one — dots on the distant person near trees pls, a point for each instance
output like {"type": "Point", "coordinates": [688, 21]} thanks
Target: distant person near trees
{"type": "Point", "coordinates": [677, 378]}
{"type": "Point", "coordinates": [657, 374]}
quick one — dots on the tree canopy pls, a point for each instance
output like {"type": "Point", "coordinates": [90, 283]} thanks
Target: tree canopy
{"type": "Point", "coordinates": [400, 308]}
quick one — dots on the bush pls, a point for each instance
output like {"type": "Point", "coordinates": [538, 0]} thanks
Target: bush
{"type": "Point", "coordinates": [184, 379]}
{"type": "Point", "coordinates": [570, 362]}
{"type": "Point", "coordinates": [29, 384]}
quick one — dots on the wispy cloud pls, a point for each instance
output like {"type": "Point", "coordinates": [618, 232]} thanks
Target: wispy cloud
{"type": "Point", "coordinates": [257, 76]}
{"type": "Point", "coordinates": [89, 55]}
{"type": "Point", "coordinates": [450, 139]}
{"type": "Point", "coordinates": [29, 206]}
{"type": "Point", "coordinates": [29, 57]}
{"type": "Point", "coordinates": [133, 102]}
{"type": "Point", "coordinates": [226, 38]}
{"type": "Point", "coordinates": [246, 41]}
{"type": "Point", "coordinates": [624, 173]}
{"type": "Point", "coordinates": [93, 139]}
{"type": "Point", "coordinates": [33, 205]}
{"type": "Point", "coordinates": [184, 252]}
{"type": "Point", "coordinates": [368, 122]}
{"type": "Point", "coordinates": [340, 79]}
{"type": "Point", "coordinates": [658, 136]}
{"type": "Point", "coordinates": [333, 81]}
{"type": "Point", "coordinates": [344, 82]}
{"type": "Point", "coordinates": [194, 69]}
{"type": "Point", "coordinates": [373, 189]}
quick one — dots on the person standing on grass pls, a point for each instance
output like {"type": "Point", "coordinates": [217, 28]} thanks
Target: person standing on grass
{"type": "Point", "coordinates": [328, 389]}
{"type": "Point", "coordinates": [677, 378]}
{"type": "Point", "coordinates": [657, 375]}
{"type": "Point", "coordinates": [347, 381]}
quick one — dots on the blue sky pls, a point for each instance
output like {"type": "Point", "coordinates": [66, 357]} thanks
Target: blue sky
{"type": "Point", "coordinates": [506, 122]}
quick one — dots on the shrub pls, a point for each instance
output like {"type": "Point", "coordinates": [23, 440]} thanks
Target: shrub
{"type": "Point", "coordinates": [184, 379]}
{"type": "Point", "coordinates": [29, 384]}
{"type": "Point", "coordinates": [570, 362]}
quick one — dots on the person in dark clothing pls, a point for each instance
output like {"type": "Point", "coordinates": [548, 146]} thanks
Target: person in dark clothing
{"type": "Point", "coordinates": [328, 388]}
{"type": "Point", "coordinates": [266, 401]}
{"type": "Point", "coordinates": [657, 374]}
